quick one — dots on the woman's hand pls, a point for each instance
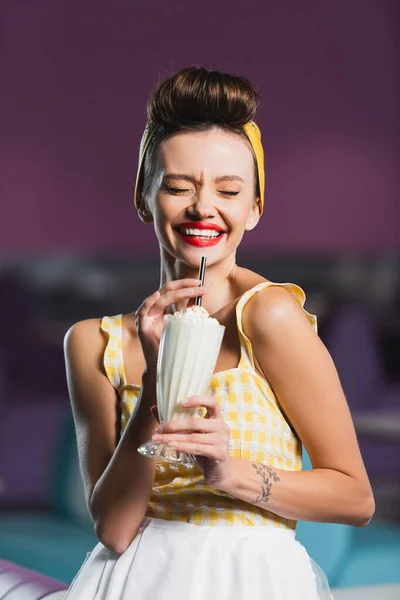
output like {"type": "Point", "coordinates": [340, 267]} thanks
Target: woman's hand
{"type": "Point", "coordinates": [207, 438]}
{"type": "Point", "coordinates": [150, 314]}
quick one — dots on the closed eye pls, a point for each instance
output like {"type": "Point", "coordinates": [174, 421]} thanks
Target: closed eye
{"type": "Point", "coordinates": [175, 190]}
{"type": "Point", "coordinates": [182, 190]}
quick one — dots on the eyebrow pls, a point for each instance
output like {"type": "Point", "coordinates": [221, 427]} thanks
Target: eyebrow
{"type": "Point", "coordinates": [193, 179]}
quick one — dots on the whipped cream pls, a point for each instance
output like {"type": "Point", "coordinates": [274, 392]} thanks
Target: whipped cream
{"type": "Point", "coordinates": [194, 314]}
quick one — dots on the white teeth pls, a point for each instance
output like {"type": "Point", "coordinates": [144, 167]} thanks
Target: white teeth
{"type": "Point", "coordinates": [209, 233]}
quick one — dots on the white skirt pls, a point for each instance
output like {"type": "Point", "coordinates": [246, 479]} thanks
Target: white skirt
{"type": "Point", "coordinates": [173, 560]}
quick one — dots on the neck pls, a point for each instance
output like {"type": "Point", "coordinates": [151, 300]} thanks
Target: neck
{"type": "Point", "coordinates": [219, 279]}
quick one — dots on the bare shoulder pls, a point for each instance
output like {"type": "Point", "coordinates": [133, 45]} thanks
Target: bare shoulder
{"type": "Point", "coordinates": [84, 340]}
{"type": "Point", "coordinates": [273, 310]}
{"type": "Point", "coordinates": [82, 329]}
{"type": "Point", "coordinates": [84, 345]}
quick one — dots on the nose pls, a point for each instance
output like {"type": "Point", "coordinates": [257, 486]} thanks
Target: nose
{"type": "Point", "coordinates": [202, 206]}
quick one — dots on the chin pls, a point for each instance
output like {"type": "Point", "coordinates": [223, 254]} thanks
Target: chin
{"type": "Point", "coordinates": [191, 255]}
{"type": "Point", "coordinates": [192, 258]}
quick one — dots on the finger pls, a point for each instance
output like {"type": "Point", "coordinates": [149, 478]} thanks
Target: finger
{"type": "Point", "coordinates": [208, 401]}
{"type": "Point", "coordinates": [188, 424]}
{"type": "Point", "coordinates": [195, 438]}
{"type": "Point", "coordinates": [208, 451]}
{"type": "Point", "coordinates": [146, 305]}
{"type": "Point", "coordinates": [176, 284]}
{"type": "Point", "coordinates": [188, 283]}
{"type": "Point", "coordinates": [174, 296]}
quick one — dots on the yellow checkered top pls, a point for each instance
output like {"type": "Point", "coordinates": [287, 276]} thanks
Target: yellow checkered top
{"type": "Point", "coordinates": [259, 432]}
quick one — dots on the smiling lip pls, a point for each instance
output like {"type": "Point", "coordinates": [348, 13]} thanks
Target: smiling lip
{"type": "Point", "coordinates": [198, 241]}
{"type": "Point", "coordinates": [200, 225]}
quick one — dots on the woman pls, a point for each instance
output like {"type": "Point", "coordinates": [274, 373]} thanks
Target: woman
{"type": "Point", "coordinates": [226, 528]}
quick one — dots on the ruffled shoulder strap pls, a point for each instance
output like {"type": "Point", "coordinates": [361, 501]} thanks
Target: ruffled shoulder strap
{"type": "Point", "coordinates": [298, 294]}
{"type": "Point", "coordinates": [113, 358]}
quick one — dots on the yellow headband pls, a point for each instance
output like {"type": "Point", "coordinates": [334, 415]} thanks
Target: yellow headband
{"type": "Point", "coordinates": [253, 133]}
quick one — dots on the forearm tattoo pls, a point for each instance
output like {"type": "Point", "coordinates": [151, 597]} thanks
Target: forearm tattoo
{"type": "Point", "coordinates": [267, 475]}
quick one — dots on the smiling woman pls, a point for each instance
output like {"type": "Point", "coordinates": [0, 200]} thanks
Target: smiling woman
{"type": "Point", "coordinates": [224, 528]}
{"type": "Point", "coordinates": [206, 176]}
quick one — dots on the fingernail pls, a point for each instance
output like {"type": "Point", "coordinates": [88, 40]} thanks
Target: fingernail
{"type": "Point", "coordinates": [158, 429]}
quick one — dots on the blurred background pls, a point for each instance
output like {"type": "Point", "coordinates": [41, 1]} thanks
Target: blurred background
{"type": "Point", "coordinates": [74, 81]}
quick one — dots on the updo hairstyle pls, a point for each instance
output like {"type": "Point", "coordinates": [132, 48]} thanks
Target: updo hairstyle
{"type": "Point", "coordinates": [195, 99]}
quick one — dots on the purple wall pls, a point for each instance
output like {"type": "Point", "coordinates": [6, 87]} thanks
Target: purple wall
{"type": "Point", "coordinates": [77, 74]}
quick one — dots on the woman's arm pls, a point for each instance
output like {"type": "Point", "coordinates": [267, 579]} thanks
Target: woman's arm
{"type": "Point", "coordinates": [304, 378]}
{"type": "Point", "coordinates": [117, 479]}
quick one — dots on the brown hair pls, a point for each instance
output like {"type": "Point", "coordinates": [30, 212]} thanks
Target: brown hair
{"type": "Point", "coordinates": [195, 99]}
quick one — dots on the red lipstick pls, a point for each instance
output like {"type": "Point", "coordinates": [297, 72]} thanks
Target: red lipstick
{"type": "Point", "coordinates": [200, 225]}
{"type": "Point", "coordinates": [199, 241]}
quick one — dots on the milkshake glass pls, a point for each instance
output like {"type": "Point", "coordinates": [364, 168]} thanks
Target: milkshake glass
{"type": "Point", "coordinates": [189, 348]}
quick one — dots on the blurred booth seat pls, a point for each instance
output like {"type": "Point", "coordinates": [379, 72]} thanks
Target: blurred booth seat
{"type": "Point", "coordinates": [379, 424]}
{"type": "Point", "coordinates": [54, 543]}
{"type": "Point", "coordinates": [31, 368]}
{"type": "Point", "coordinates": [18, 583]}
{"type": "Point", "coordinates": [352, 340]}
{"type": "Point", "coordinates": [352, 343]}
{"type": "Point", "coordinates": [28, 435]}
{"type": "Point", "coordinates": [33, 396]}
{"type": "Point", "coordinates": [353, 556]}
